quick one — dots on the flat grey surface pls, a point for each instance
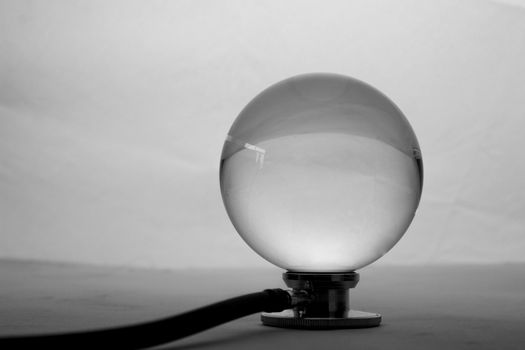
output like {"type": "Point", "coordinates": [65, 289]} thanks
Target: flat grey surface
{"type": "Point", "coordinates": [454, 307]}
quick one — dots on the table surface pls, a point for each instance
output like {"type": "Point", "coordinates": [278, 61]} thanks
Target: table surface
{"type": "Point", "coordinates": [427, 307]}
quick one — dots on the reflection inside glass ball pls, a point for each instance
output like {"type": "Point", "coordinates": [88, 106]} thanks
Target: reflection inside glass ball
{"type": "Point", "coordinates": [321, 173]}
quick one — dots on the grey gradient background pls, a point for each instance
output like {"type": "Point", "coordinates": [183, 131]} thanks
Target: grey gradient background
{"type": "Point", "coordinates": [113, 115]}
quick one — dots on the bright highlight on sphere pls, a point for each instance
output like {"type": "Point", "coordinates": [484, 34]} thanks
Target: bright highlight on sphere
{"type": "Point", "coordinates": [321, 173]}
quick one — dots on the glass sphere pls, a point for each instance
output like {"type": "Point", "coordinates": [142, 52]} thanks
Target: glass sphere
{"type": "Point", "coordinates": [321, 173]}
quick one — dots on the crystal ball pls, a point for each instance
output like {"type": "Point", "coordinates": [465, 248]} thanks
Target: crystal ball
{"type": "Point", "coordinates": [321, 173]}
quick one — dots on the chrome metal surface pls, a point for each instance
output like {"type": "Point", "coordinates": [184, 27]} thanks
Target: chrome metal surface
{"type": "Point", "coordinates": [324, 303]}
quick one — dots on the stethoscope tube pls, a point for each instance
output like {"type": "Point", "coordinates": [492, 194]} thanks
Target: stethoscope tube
{"type": "Point", "coordinates": [161, 331]}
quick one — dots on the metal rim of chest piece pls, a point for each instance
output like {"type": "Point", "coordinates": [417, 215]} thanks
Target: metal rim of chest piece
{"type": "Point", "coordinates": [329, 307]}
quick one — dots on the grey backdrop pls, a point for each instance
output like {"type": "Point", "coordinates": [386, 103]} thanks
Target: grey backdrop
{"type": "Point", "coordinates": [113, 114]}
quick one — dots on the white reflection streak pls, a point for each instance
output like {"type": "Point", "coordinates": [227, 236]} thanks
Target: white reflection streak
{"type": "Point", "coordinates": [259, 152]}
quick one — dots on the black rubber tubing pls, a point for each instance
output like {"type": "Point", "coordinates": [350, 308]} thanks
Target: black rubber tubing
{"type": "Point", "coordinates": [157, 332]}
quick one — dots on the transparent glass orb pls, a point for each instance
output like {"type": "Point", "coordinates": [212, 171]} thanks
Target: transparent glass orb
{"type": "Point", "coordinates": [321, 173]}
